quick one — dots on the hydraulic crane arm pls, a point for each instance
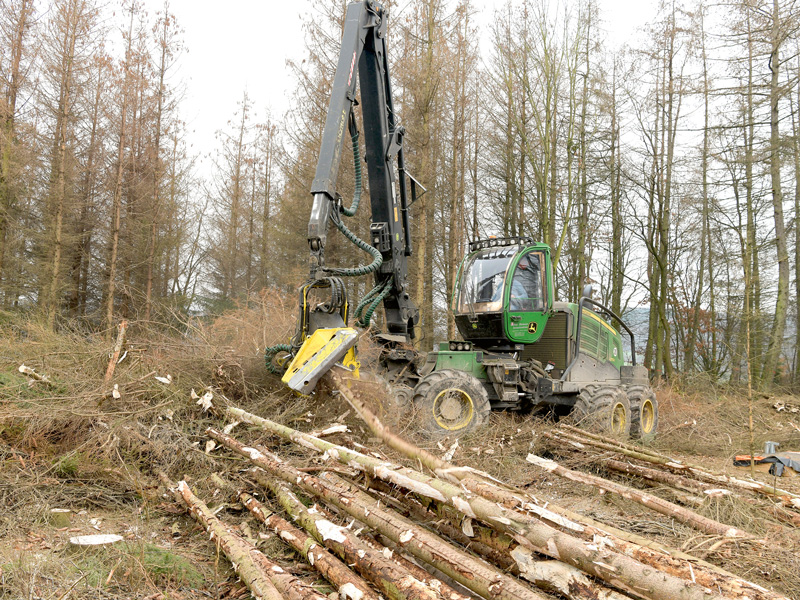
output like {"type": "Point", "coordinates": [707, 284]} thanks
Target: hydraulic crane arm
{"type": "Point", "coordinates": [363, 58]}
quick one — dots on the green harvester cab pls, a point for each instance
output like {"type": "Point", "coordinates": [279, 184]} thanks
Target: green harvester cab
{"type": "Point", "coordinates": [522, 350]}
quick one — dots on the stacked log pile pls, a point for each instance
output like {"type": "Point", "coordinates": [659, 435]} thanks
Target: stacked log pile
{"type": "Point", "coordinates": [375, 527]}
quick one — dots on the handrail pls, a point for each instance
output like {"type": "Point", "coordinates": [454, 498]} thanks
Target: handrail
{"type": "Point", "coordinates": [609, 312]}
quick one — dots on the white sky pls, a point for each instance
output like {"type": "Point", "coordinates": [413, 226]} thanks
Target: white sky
{"type": "Point", "coordinates": [239, 45]}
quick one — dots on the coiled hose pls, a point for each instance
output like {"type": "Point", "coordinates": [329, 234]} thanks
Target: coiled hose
{"type": "Point", "coordinates": [377, 259]}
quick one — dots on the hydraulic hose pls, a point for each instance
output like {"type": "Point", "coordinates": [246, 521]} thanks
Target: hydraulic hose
{"type": "Point", "coordinates": [384, 291]}
{"type": "Point", "coordinates": [377, 259]}
{"type": "Point", "coordinates": [366, 300]}
{"type": "Point", "coordinates": [357, 168]}
{"type": "Point", "coordinates": [270, 353]}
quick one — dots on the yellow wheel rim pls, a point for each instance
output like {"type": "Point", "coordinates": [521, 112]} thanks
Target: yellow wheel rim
{"type": "Point", "coordinates": [619, 418]}
{"type": "Point", "coordinates": [453, 409]}
{"type": "Point", "coordinates": [647, 416]}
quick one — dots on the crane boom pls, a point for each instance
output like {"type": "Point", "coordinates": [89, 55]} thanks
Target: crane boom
{"type": "Point", "coordinates": [363, 58]}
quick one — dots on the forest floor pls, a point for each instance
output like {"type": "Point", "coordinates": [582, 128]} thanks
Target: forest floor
{"type": "Point", "coordinates": [71, 443]}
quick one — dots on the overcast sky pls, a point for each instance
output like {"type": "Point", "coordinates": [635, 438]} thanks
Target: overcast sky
{"type": "Point", "coordinates": [239, 45]}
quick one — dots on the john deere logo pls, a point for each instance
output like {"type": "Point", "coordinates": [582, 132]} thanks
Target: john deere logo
{"type": "Point", "coordinates": [532, 327]}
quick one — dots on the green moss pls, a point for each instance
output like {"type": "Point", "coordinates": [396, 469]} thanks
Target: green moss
{"type": "Point", "coordinates": [164, 566]}
{"type": "Point", "coordinates": [135, 563]}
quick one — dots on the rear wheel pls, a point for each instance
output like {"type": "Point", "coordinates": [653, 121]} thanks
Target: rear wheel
{"type": "Point", "coordinates": [644, 411]}
{"type": "Point", "coordinates": [603, 409]}
{"type": "Point", "coordinates": [451, 402]}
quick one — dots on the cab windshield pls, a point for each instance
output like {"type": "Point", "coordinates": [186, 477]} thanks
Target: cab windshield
{"type": "Point", "coordinates": [483, 279]}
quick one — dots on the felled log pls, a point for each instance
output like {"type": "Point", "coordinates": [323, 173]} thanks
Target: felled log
{"type": "Point", "coordinates": [549, 575]}
{"type": "Point", "coordinates": [645, 551]}
{"type": "Point", "coordinates": [470, 478]}
{"type": "Point", "coordinates": [445, 525]}
{"type": "Point", "coordinates": [471, 572]}
{"type": "Point", "coordinates": [595, 559]}
{"type": "Point", "coordinates": [656, 475]}
{"type": "Point", "coordinates": [680, 483]}
{"type": "Point", "coordinates": [609, 440]}
{"type": "Point", "coordinates": [265, 579]}
{"type": "Point", "coordinates": [350, 585]}
{"type": "Point", "coordinates": [679, 513]}
{"type": "Point", "coordinates": [392, 579]}
{"type": "Point", "coordinates": [353, 397]}
{"type": "Point", "coordinates": [560, 578]}
{"type": "Point", "coordinates": [750, 485]}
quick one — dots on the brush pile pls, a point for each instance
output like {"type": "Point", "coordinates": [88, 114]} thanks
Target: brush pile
{"type": "Point", "coordinates": [441, 531]}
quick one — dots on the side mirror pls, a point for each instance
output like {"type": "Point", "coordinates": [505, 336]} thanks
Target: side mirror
{"type": "Point", "coordinates": [588, 290]}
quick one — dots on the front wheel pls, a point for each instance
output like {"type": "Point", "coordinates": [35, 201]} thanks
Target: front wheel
{"type": "Point", "coordinates": [604, 409]}
{"type": "Point", "coordinates": [451, 402]}
{"type": "Point", "coordinates": [403, 395]}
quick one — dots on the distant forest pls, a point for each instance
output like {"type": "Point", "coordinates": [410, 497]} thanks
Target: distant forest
{"type": "Point", "coordinates": [667, 173]}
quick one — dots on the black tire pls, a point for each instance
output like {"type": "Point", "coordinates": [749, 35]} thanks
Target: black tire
{"type": "Point", "coordinates": [644, 411]}
{"type": "Point", "coordinates": [403, 395]}
{"type": "Point", "coordinates": [451, 402]}
{"type": "Point", "coordinates": [604, 409]}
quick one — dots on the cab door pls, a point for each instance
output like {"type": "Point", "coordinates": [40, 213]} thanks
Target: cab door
{"type": "Point", "coordinates": [527, 299]}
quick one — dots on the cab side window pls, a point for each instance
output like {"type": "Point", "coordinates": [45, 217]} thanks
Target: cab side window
{"type": "Point", "coordinates": [526, 284]}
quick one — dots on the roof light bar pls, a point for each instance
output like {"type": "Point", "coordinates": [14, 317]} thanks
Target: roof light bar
{"type": "Point", "coordinates": [495, 242]}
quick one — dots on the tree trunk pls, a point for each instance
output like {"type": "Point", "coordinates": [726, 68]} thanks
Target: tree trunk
{"type": "Point", "coordinates": [775, 346]}
{"type": "Point", "coordinates": [796, 149]}
{"type": "Point", "coordinates": [116, 204]}
{"type": "Point", "coordinates": [8, 129]}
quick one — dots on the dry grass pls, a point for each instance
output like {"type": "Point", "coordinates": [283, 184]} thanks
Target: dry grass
{"type": "Point", "coordinates": [71, 444]}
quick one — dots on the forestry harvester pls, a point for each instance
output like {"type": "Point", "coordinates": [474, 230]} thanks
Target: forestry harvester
{"type": "Point", "coordinates": [521, 349]}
